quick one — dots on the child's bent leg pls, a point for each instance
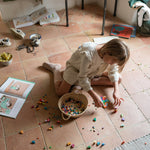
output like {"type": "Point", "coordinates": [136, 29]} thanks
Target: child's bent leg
{"type": "Point", "coordinates": [103, 80]}
{"type": "Point", "coordinates": [61, 86]}
{"type": "Point", "coordinates": [0, 16]}
{"type": "Point", "coordinates": [51, 66]}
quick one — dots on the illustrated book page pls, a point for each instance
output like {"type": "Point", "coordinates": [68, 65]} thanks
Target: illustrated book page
{"type": "Point", "coordinates": [13, 94]}
{"type": "Point", "coordinates": [30, 19]}
{"type": "Point", "coordinates": [17, 87]}
{"type": "Point", "coordinates": [52, 17]}
{"type": "Point", "coordinates": [10, 105]}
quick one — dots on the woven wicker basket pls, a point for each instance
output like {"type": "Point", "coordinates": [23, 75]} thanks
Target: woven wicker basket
{"type": "Point", "coordinates": [78, 97]}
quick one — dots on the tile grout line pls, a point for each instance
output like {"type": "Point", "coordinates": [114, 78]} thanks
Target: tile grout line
{"type": "Point", "coordinates": [4, 134]}
{"type": "Point", "coordinates": [130, 96]}
{"type": "Point", "coordinates": [136, 92]}
{"type": "Point", "coordinates": [80, 133]}
{"type": "Point", "coordinates": [44, 140]}
{"type": "Point", "coordinates": [114, 126]}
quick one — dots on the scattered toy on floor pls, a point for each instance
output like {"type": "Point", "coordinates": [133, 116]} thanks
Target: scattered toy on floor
{"type": "Point", "coordinates": [72, 145]}
{"type": "Point", "coordinates": [105, 101]}
{"type": "Point", "coordinates": [121, 115]}
{"type": "Point", "coordinates": [98, 143]}
{"type": "Point", "coordinates": [50, 129]}
{"type": "Point", "coordinates": [122, 119]}
{"type": "Point", "coordinates": [94, 142]}
{"type": "Point", "coordinates": [69, 143]}
{"type": "Point", "coordinates": [47, 120]}
{"type": "Point", "coordinates": [34, 38]}
{"type": "Point", "coordinates": [33, 142]}
{"type": "Point", "coordinates": [89, 147]}
{"type": "Point", "coordinates": [21, 132]}
{"type": "Point", "coordinates": [122, 142]}
{"type": "Point", "coordinates": [5, 42]}
{"type": "Point", "coordinates": [94, 119]}
{"type": "Point", "coordinates": [122, 125]}
{"type": "Point", "coordinates": [102, 144]}
{"type": "Point", "coordinates": [115, 109]}
{"type": "Point", "coordinates": [6, 58]}
{"type": "Point", "coordinates": [17, 32]}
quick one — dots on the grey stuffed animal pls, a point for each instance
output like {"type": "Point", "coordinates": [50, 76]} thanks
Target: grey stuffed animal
{"type": "Point", "coordinates": [143, 18]}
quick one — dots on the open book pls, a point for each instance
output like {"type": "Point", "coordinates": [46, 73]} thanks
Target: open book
{"type": "Point", "coordinates": [52, 17]}
{"type": "Point", "coordinates": [124, 31]}
{"type": "Point", "coordinates": [13, 94]}
{"type": "Point", "coordinates": [31, 19]}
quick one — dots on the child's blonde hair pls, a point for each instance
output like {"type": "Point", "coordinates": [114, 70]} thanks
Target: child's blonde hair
{"type": "Point", "coordinates": [116, 48]}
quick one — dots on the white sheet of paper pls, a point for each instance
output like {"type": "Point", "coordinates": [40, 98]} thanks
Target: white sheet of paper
{"type": "Point", "coordinates": [103, 40]}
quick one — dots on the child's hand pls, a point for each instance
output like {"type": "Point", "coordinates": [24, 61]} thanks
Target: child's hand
{"type": "Point", "coordinates": [96, 98]}
{"type": "Point", "coordinates": [98, 102]}
{"type": "Point", "coordinates": [117, 99]}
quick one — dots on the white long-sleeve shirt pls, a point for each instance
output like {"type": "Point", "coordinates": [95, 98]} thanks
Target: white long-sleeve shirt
{"type": "Point", "coordinates": [85, 64]}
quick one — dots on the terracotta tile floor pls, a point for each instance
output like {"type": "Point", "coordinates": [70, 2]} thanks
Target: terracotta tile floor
{"type": "Point", "coordinates": [57, 44]}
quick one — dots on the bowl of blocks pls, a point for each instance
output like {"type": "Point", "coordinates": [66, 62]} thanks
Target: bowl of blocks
{"type": "Point", "coordinates": [72, 105]}
{"type": "Point", "coordinates": [6, 58]}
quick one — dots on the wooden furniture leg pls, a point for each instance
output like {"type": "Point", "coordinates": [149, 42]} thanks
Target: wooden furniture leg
{"type": "Point", "coordinates": [66, 7]}
{"type": "Point", "coordinates": [82, 4]}
{"type": "Point", "coordinates": [104, 14]}
{"type": "Point", "coordinates": [115, 8]}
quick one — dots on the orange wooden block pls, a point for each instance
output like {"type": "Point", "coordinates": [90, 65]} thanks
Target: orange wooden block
{"type": "Point", "coordinates": [122, 142]}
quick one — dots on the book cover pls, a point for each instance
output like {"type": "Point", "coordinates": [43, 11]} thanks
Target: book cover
{"type": "Point", "coordinates": [30, 19]}
{"type": "Point", "coordinates": [13, 94]}
{"type": "Point", "coordinates": [133, 35]}
{"type": "Point", "coordinates": [123, 31]}
{"type": "Point", "coordinates": [50, 18]}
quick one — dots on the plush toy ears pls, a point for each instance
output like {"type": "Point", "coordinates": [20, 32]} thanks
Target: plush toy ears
{"type": "Point", "coordinates": [138, 5]}
{"type": "Point", "coordinates": [132, 2]}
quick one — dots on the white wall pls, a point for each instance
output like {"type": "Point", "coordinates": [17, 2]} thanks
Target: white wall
{"type": "Point", "coordinates": [124, 11]}
{"type": "Point", "coordinates": [18, 8]}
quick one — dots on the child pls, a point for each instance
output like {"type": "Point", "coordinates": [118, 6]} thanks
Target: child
{"type": "Point", "coordinates": [92, 64]}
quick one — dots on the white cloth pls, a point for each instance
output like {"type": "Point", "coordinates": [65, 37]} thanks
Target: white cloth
{"type": "Point", "coordinates": [85, 64]}
{"type": "Point", "coordinates": [143, 13]}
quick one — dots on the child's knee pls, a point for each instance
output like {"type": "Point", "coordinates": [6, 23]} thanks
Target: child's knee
{"type": "Point", "coordinates": [62, 88]}
{"type": "Point", "coordinates": [60, 92]}
{"type": "Point", "coordinates": [0, 16]}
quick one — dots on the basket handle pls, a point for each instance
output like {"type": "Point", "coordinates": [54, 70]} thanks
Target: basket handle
{"type": "Point", "coordinates": [65, 118]}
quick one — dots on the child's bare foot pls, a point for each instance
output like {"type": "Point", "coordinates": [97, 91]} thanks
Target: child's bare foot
{"type": "Point", "coordinates": [51, 66]}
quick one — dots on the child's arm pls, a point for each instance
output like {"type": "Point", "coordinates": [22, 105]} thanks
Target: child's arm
{"type": "Point", "coordinates": [116, 94]}
{"type": "Point", "coordinates": [96, 98]}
